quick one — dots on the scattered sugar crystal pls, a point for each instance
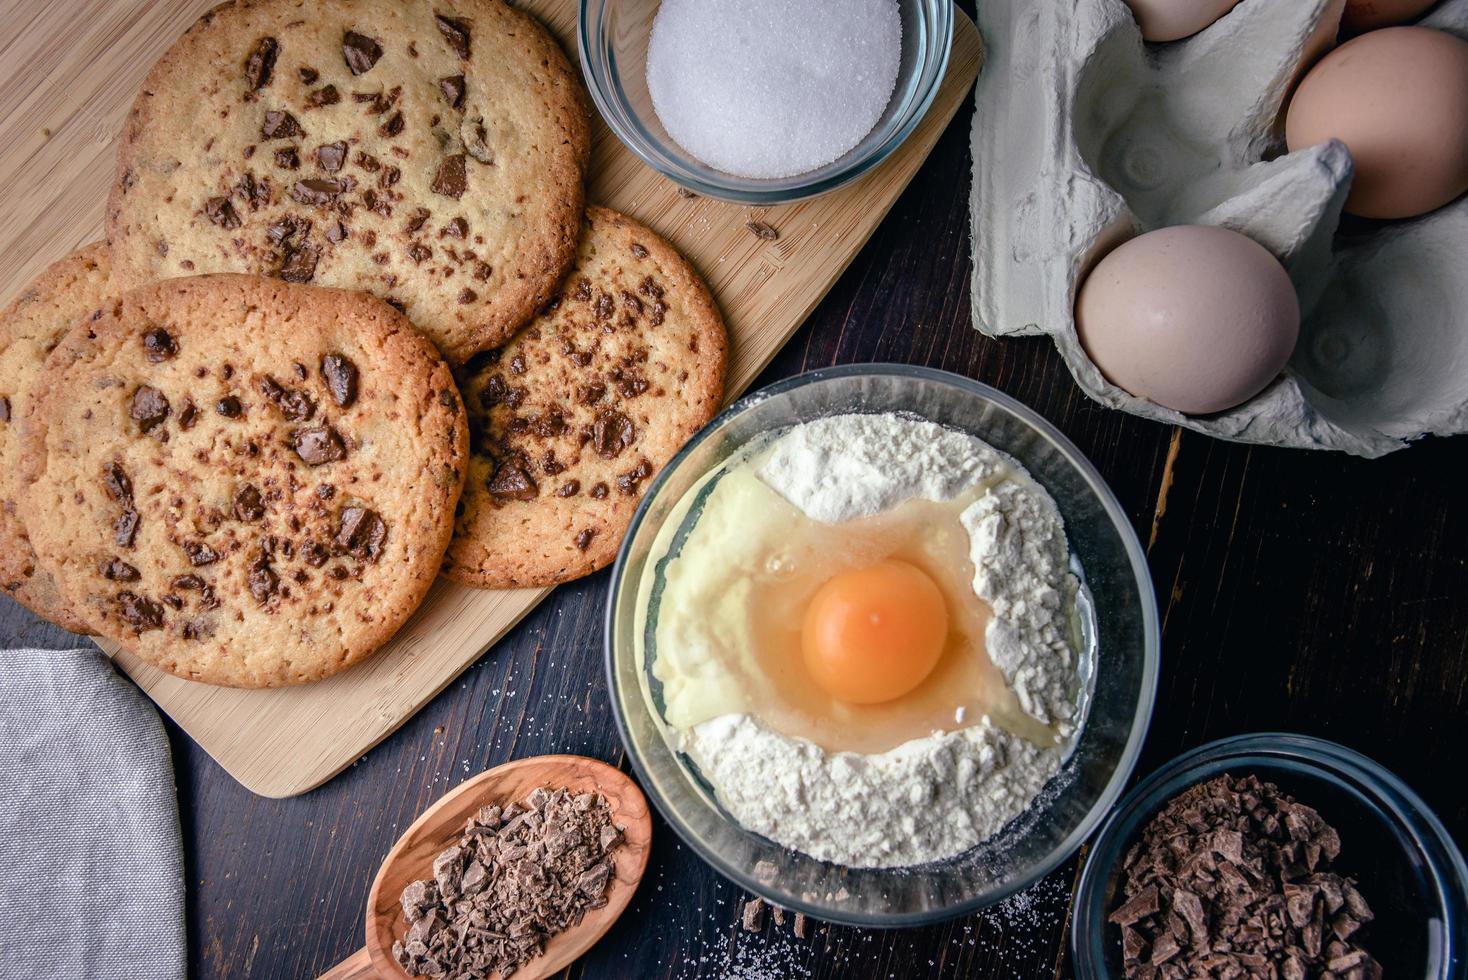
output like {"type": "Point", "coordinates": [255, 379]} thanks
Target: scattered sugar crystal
{"type": "Point", "coordinates": [772, 88]}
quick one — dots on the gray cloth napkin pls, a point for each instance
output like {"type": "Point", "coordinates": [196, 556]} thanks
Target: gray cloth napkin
{"type": "Point", "coordinates": [91, 861]}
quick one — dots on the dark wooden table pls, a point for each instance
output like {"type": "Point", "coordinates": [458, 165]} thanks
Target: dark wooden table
{"type": "Point", "coordinates": [1304, 592]}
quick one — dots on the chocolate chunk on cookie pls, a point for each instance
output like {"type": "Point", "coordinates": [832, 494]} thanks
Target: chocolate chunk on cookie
{"type": "Point", "coordinates": [330, 143]}
{"type": "Point", "coordinates": [275, 540]}
{"type": "Point", "coordinates": [72, 289]}
{"type": "Point", "coordinates": [572, 418]}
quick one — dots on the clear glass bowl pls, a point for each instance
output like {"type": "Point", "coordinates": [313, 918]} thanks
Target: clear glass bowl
{"type": "Point", "coordinates": [612, 38]}
{"type": "Point", "coordinates": [1120, 690]}
{"type": "Point", "coordinates": [1410, 871]}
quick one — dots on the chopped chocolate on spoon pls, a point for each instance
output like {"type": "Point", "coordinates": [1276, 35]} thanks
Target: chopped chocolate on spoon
{"type": "Point", "coordinates": [516, 876]}
{"type": "Point", "coordinates": [1232, 879]}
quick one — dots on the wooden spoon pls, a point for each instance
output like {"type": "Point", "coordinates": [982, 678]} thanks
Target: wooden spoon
{"type": "Point", "coordinates": [440, 825]}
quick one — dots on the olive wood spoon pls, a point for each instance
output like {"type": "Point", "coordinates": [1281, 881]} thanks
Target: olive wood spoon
{"type": "Point", "coordinates": [440, 825]}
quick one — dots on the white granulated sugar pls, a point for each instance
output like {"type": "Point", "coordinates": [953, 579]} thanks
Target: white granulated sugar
{"type": "Point", "coordinates": [934, 797]}
{"type": "Point", "coordinates": [772, 88]}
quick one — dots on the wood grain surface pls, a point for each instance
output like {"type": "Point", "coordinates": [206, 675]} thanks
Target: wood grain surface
{"type": "Point", "coordinates": [1300, 591]}
{"type": "Point", "coordinates": [283, 742]}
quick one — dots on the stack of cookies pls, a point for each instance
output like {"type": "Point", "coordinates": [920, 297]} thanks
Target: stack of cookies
{"type": "Point", "coordinates": [353, 324]}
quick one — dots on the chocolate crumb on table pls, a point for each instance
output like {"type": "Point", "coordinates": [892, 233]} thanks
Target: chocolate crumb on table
{"type": "Point", "coordinates": [1232, 879]}
{"type": "Point", "coordinates": [516, 877]}
{"type": "Point", "coordinates": [753, 917]}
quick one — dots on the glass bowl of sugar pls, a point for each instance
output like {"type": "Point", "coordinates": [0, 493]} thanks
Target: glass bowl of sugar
{"type": "Point", "coordinates": [763, 101]}
{"type": "Point", "coordinates": [1116, 661]}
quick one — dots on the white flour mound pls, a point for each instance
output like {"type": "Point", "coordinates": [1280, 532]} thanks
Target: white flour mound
{"type": "Point", "coordinates": [934, 797]}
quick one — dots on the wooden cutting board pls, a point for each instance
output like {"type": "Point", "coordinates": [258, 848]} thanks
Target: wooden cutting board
{"type": "Point", "coordinates": [68, 72]}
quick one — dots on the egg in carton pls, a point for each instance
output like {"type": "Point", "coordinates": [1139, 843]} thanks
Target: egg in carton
{"type": "Point", "coordinates": [1085, 136]}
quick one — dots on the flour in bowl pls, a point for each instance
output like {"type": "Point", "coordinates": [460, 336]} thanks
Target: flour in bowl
{"type": "Point", "coordinates": [939, 768]}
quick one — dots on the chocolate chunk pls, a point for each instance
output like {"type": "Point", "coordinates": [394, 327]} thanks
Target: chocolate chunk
{"type": "Point", "coordinates": [322, 97]}
{"type": "Point", "coordinates": [149, 407]}
{"type": "Point", "coordinates": [453, 89]}
{"type": "Point", "coordinates": [325, 491]}
{"type": "Point", "coordinates": [317, 190]}
{"type": "Point", "coordinates": [341, 379]}
{"type": "Point", "coordinates": [457, 228]}
{"type": "Point", "coordinates": [331, 156]}
{"type": "Point", "coordinates": [300, 264]}
{"type": "Point", "coordinates": [314, 554]}
{"type": "Point", "coordinates": [360, 51]}
{"type": "Point", "coordinates": [159, 345]}
{"type": "Point", "coordinates": [389, 176]}
{"type": "Point", "coordinates": [117, 570]}
{"type": "Point", "coordinates": [418, 252]}
{"type": "Point", "coordinates": [228, 406]}
{"type": "Point", "coordinates": [263, 581]}
{"type": "Point", "coordinates": [392, 126]}
{"type": "Point", "coordinates": [4, 409]}
{"type": "Point", "coordinates": [287, 158]}
{"type": "Point", "coordinates": [511, 482]}
{"type": "Point", "coordinates": [629, 482]}
{"type": "Point", "coordinates": [337, 232]}
{"type": "Point", "coordinates": [260, 63]}
{"type": "Point", "coordinates": [142, 614]}
{"type": "Point", "coordinates": [452, 178]}
{"type": "Point", "coordinates": [360, 533]}
{"type": "Point", "coordinates": [455, 32]}
{"type": "Point", "coordinates": [583, 539]}
{"type": "Point", "coordinates": [761, 230]}
{"type": "Point", "coordinates": [125, 528]}
{"type": "Point", "coordinates": [639, 251]}
{"type": "Point", "coordinates": [279, 124]}
{"type": "Point", "coordinates": [319, 445]}
{"type": "Point", "coordinates": [255, 192]}
{"type": "Point", "coordinates": [569, 489]}
{"type": "Point", "coordinates": [288, 229]}
{"type": "Point", "coordinates": [248, 504]}
{"type": "Point", "coordinates": [119, 487]}
{"type": "Point", "coordinates": [599, 491]}
{"type": "Point", "coordinates": [308, 75]}
{"type": "Point", "coordinates": [295, 405]}
{"type": "Point", "coordinates": [418, 219]}
{"type": "Point", "coordinates": [221, 212]}
{"type": "Point", "coordinates": [467, 295]}
{"type": "Point", "coordinates": [377, 205]}
{"type": "Point", "coordinates": [611, 433]}
{"type": "Point", "coordinates": [199, 553]}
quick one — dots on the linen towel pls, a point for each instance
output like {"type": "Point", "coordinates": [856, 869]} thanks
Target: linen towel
{"type": "Point", "coordinates": [91, 859]}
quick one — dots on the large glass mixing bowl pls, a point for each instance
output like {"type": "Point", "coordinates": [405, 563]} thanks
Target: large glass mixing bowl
{"type": "Point", "coordinates": [1121, 681]}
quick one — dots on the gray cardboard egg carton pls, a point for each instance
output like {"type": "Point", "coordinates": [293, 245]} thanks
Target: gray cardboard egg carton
{"type": "Point", "coordinates": [1085, 136]}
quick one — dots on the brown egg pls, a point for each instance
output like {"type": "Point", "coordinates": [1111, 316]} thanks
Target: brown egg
{"type": "Point", "coordinates": [1368, 15]}
{"type": "Point", "coordinates": [1170, 20]}
{"type": "Point", "coordinates": [1398, 98]}
{"type": "Point", "coordinates": [1194, 318]}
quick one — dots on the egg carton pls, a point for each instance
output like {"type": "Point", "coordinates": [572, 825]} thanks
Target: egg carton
{"type": "Point", "coordinates": [1085, 136]}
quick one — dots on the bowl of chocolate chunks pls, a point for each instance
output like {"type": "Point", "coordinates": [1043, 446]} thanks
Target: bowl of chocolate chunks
{"type": "Point", "coordinates": [1272, 856]}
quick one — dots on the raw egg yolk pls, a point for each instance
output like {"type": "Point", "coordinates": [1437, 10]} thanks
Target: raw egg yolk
{"type": "Point", "coordinates": [872, 634]}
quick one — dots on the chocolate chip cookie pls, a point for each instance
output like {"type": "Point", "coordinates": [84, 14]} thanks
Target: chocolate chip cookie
{"type": "Point", "coordinates": [243, 481]}
{"type": "Point", "coordinates": [431, 152]}
{"type": "Point", "coordinates": [29, 328]}
{"type": "Point", "coordinates": [571, 419]}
